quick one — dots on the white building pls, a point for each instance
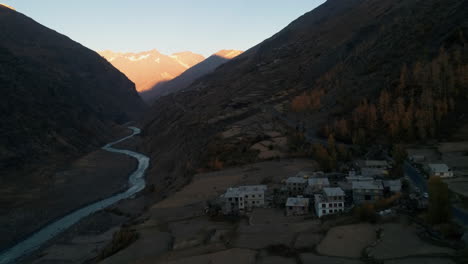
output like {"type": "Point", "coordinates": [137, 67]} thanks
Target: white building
{"type": "Point", "coordinates": [331, 201]}
{"type": "Point", "coordinates": [440, 170]}
{"type": "Point", "coordinates": [296, 185]}
{"type": "Point", "coordinates": [239, 199]}
{"type": "Point", "coordinates": [297, 206]}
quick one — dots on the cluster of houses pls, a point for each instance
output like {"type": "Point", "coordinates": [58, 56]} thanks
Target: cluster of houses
{"type": "Point", "coordinates": [325, 194]}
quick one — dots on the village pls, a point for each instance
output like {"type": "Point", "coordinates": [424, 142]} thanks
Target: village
{"type": "Point", "coordinates": [315, 193]}
{"type": "Point", "coordinates": [289, 211]}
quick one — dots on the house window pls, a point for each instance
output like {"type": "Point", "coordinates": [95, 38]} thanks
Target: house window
{"type": "Point", "coordinates": [230, 199]}
{"type": "Point", "coordinates": [324, 205]}
{"type": "Point", "coordinates": [335, 205]}
{"type": "Point", "coordinates": [324, 211]}
{"type": "Point", "coordinates": [330, 211]}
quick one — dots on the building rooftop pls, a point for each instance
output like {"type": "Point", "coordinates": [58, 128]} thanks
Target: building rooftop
{"type": "Point", "coordinates": [439, 167]}
{"type": "Point", "coordinates": [318, 181]}
{"type": "Point", "coordinates": [359, 178]}
{"type": "Point", "coordinates": [296, 180]}
{"type": "Point", "coordinates": [344, 185]}
{"type": "Point", "coordinates": [297, 201]}
{"type": "Point", "coordinates": [320, 198]}
{"type": "Point", "coordinates": [238, 191]}
{"type": "Point", "coordinates": [393, 185]}
{"type": "Point", "coordinates": [367, 185]}
{"type": "Point", "coordinates": [335, 191]}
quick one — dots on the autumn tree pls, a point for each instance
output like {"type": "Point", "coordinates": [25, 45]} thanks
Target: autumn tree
{"type": "Point", "coordinates": [321, 155]}
{"type": "Point", "coordinates": [439, 203]}
{"type": "Point", "coordinates": [399, 156]}
{"type": "Point", "coordinates": [332, 154]}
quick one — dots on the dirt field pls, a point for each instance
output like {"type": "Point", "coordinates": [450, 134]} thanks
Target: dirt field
{"type": "Point", "coordinates": [347, 241]}
{"type": "Point", "coordinates": [210, 185]}
{"type": "Point", "coordinates": [402, 241]}
{"type": "Point", "coordinates": [421, 261]}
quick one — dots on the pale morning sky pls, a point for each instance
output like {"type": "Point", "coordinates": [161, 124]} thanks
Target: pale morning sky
{"type": "Point", "coordinates": [201, 26]}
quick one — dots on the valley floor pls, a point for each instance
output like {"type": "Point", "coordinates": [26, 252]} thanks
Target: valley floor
{"type": "Point", "coordinates": [177, 230]}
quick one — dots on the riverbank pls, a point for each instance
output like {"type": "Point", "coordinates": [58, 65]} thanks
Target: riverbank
{"type": "Point", "coordinates": [27, 206]}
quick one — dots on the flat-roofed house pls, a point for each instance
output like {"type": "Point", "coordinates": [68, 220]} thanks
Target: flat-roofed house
{"type": "Point", "coordinates": [374, 167]}
{"type": "Point", "coordinates": [440, 170]}
{"type": "Point", "coordinates": [367, 191]}
{"type": "Point", "coordinates": [297, 206]}
{"type": "Point", "coordinates": [330, 201]}
{"type": "Point", "coordinates": [238, 199]}
{"type": "Point", "coordinates": [296, 185]}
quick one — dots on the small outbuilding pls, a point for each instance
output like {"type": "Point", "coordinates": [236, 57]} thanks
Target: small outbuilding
{"type": "Point", "coordinates": [297, 206]}
{"type": "Point", "coordinates": [440, 170]}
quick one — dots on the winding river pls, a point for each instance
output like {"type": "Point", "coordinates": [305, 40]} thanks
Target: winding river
{"type": "Point", "coordinates": [136, 183]}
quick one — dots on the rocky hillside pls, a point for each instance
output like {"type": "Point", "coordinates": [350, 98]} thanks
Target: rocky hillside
{"type": "Point", "coordinates": [58, 97]}
{"type": "Point", "coordinates": [346, 50]}
{"type": "Point", "coordinates": [185, 79]}
{"type": "Point", "coordinates": [147, 69]}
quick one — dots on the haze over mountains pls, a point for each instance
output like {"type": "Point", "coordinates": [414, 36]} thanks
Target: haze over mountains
{"type": "Point", "coordinates": [147, 69]}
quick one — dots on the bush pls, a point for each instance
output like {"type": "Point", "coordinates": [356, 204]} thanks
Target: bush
{"type": "Point", "coordinates": [281, 250]}
{"type": "Point", "coordinates": [366, 212]}
{"type": "Point", "coordinates": [120, 240]}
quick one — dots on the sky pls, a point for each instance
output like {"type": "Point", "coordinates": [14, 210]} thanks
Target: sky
{"type": "Point", "coordinates": [201, 26]}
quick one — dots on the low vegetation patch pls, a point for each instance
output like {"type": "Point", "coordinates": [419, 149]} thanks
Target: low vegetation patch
{"type": "Point", "coordinates": [120, 240]}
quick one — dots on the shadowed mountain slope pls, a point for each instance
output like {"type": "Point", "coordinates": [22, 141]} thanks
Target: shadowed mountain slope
{"type": "Point", "coordinates": [352, 49]}
{"type": "Point", "coordinates": [58, 97]}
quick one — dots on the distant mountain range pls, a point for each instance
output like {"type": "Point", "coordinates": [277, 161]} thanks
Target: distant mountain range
{"type": "Point", "coordinates": [185, 79]}
{"type": "Point", "coordinates": [149, 68]}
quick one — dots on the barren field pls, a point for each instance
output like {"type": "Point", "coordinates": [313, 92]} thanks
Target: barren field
{"type": "Point", "coordinates": [347, 241]}
{"type": "Point", "coordinates": [402, 241]}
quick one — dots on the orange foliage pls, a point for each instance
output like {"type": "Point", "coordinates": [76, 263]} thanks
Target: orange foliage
{"type": "Point", "coordinates": [216, 164]}
{"type": "Point", "coordinates": [307, 101]}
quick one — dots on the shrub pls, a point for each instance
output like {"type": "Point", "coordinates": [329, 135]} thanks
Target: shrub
{"type": "Point", "coordinates": [120, 240]}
